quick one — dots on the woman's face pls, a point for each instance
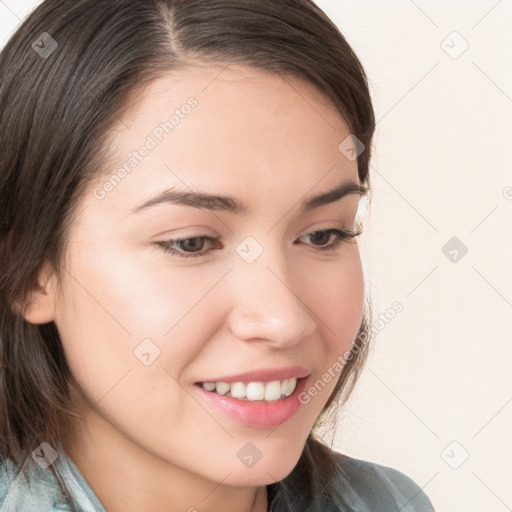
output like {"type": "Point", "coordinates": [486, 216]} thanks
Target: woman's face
{"type": "Point", "coordinates": [140, 326]}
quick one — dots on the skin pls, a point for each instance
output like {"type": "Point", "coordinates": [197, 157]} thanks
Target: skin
{"type": "Point", "coordinates": [270, 143]}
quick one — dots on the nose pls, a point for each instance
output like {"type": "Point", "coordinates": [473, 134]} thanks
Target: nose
{"type": "Point", "coordinates": [268, 306]}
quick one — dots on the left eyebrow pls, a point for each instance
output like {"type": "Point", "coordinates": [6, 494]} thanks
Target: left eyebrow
{"type": "Point", "coordinates": [232, 205]}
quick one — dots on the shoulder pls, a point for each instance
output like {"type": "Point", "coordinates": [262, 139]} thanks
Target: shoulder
{"type": "Point", "coordinates": [365, 485]}
{"type": "Point", "coordinates": [33, 489]}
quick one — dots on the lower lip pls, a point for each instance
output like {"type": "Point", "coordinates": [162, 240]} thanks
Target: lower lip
{"type": "Point", "coordinates": [258, 414]}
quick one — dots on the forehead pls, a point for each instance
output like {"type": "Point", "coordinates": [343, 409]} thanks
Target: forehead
{"type": "Point", "coordinates": [248, 130]}
{"type": "Point", "coordinates": [219, 85]}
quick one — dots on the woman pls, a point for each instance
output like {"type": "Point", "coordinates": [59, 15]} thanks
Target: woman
{"type": "Point", "coordinates": [182, 292]}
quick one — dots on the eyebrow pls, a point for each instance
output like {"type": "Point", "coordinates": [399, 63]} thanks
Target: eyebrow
{"type": "Point", "coordinates": [232, 205]}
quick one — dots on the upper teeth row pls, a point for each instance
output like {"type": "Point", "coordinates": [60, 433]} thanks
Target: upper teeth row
{"type": "Point", "coordinates": [254, 390]}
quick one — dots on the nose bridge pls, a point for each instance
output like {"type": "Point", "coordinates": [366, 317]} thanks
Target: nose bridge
{"type": "Point", "coordinates": [266, 301]}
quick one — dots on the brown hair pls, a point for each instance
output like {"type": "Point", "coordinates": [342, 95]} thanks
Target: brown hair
{"type": "Point", "coordinates": [55, 114]}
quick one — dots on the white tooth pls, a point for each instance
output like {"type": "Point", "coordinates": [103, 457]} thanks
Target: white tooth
{"type": "Point", "coordinates": [222, 387]}
{"type": "Point", "coordinates": [238, 390]}
{"type": "Point", "coordinates": [255, 391]}
{"type": "Point", "coordinates": [290, 386]}
{"type": "Point", "coordinates": [270, 391]}
{"type": "Point", "coordinates": [273, 390]}
{"type": "Point", "coordinates": [209, 386]}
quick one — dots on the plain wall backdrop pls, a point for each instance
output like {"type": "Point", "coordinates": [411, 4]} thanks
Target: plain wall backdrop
{"type": "Point", "coordinates": [435, 399]}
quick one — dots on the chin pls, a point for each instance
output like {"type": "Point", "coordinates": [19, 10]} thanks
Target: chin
{"type": "Point", "coordinates": [263, 472]}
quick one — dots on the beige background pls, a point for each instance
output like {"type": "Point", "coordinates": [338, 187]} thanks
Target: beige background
{"type": "Point", "coordinates": [435, 400]}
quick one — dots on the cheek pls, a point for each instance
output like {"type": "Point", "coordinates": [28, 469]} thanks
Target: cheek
{"type": "Point", "coordinates": [128, 332]}
{"type": "Point", "coordinates": [339, 304]}
{"type": "Point", "coordinates": [339, 300]}
{"type": "Point", "coordinates": [131, 295]}
{"type": "Point", "coordinates": [124, 318]}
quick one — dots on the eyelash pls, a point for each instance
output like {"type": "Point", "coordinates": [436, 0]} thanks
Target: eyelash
{"type": "Point", "coordinates": [340, 235]}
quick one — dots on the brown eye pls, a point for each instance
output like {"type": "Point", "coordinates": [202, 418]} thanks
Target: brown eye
{"type": "Point", "coordinates": [325, 235]}
{"type": "Point", "coordinates": [190, 247]}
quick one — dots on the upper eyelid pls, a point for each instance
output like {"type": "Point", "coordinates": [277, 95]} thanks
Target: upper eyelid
{"type": "Point", "coordinates": [308, 229]}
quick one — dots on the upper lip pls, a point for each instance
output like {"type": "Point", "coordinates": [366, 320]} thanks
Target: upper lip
{"type": "Point", "coordinates": [264, 375]}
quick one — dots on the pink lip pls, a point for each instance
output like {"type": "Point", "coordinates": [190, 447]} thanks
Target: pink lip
{"type": "Point", "coordinates": [264, 375]}
{"type": "Point", "coordinates": [258, 414]}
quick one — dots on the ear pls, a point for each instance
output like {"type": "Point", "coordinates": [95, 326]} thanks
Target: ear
{"type": "Point", "coordinates": [40, 306]}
